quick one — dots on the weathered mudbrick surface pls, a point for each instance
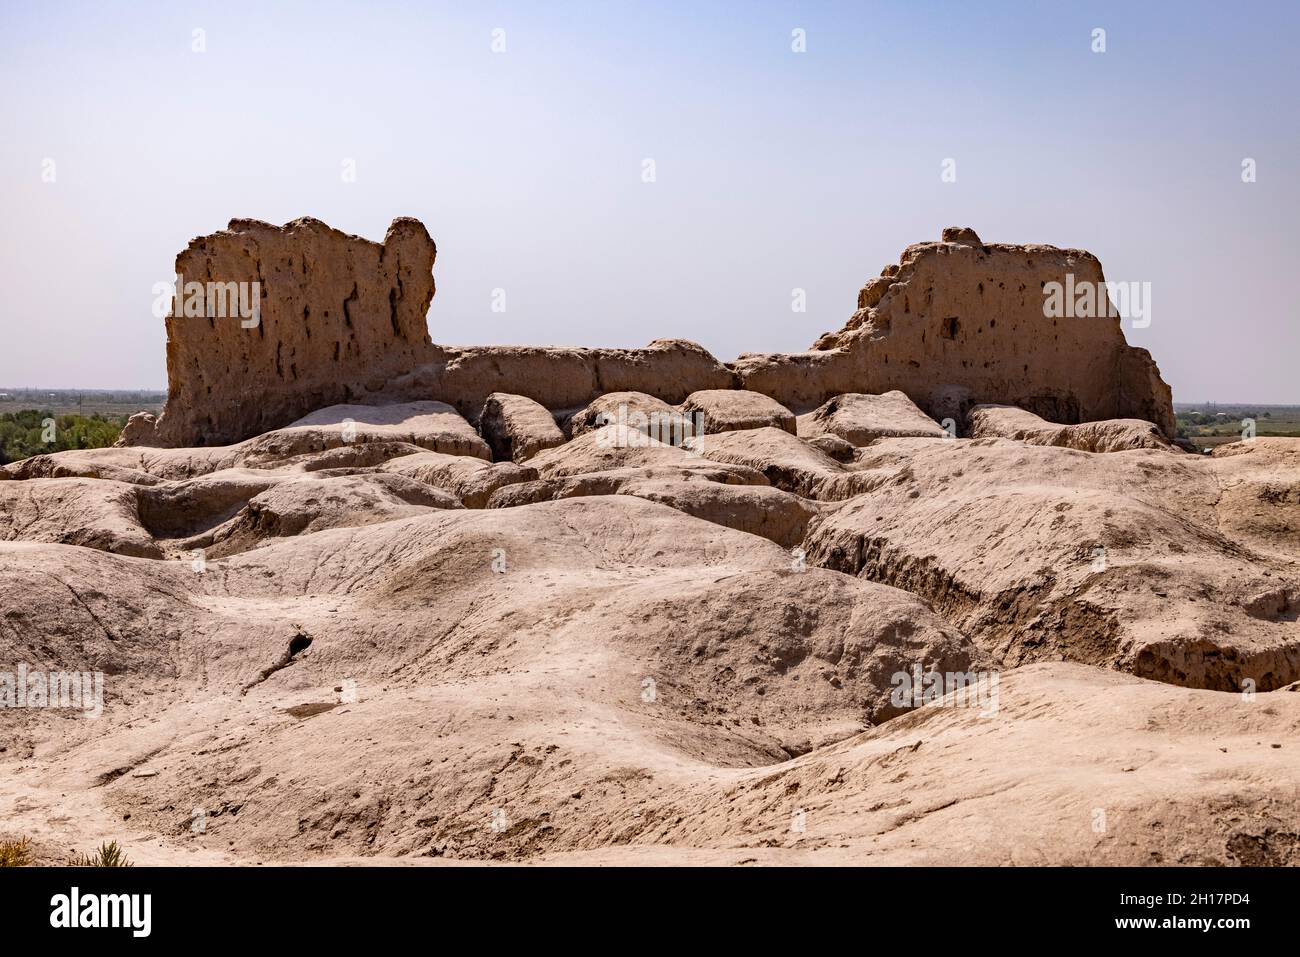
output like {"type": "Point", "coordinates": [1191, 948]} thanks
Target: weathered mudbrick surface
{"type": "Point", "coordinates": [959, 323]}
{"type": "Point", "coordinates": [956, 323]}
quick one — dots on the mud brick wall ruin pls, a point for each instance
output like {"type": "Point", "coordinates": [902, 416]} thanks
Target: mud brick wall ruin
{"type": "Point", "coordinates": [343, 319]}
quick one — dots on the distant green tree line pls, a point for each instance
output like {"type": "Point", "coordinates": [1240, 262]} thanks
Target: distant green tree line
{"type": "Point", "coordinates": [23, 434]}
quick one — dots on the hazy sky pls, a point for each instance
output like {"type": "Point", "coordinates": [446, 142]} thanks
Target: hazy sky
{"type": "Point", "coordinates": [774, 169]}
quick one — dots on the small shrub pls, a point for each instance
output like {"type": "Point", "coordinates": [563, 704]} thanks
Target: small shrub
{"type": "Point", "coordinates": [15, 853]}
{"type": "Point", "coordinates": [109, 855]}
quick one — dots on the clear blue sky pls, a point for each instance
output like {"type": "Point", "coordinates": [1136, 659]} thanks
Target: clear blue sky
{"type": "Point", "coordinates": [775, 169]}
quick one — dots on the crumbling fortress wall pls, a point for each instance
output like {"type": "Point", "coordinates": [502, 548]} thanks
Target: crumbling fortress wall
{"type": "Point", "coordinates": [339, 317]}
{"type": "Point", "coordinates": [343, 320]}
{"type": "Point", "coordinates": [958, 323]}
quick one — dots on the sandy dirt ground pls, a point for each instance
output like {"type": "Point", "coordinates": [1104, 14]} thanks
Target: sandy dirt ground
{"type": "Point", "coordinates": [321, 655]}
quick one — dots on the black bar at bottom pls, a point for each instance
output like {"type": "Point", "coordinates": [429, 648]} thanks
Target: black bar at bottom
{"type": "Point", "coordinates": [331, 905]}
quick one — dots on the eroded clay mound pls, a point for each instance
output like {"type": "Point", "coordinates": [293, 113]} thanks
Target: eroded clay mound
{"type": "Point", "coordinates": [613, 481]}
{"type": "Point", "coordinates": [1045, 553]}
{"type": "Point", "coordinates": [628, 410]}
{"type": "Point", "coordinates": [785, 461]}
{"type": "Point", "coordinates": [517, 428]}
{"type": "Point", "coordinates": [472, 480]}
{"type": "Point", "coordinates": [834, 447]}
{"type": "Point", "coordinates": [103, 515]}
{"type": "Point", "coordinates": [314, 502]}
{"type": "Point", "coordinates": [186, 507]}
{"type": "Point", "coordinates": [139, 466]}
{"type": "Point", "coordinates": [435, 426]}
{"type": "Point", "coordinates": [861, 419]}
{"type": "Point", "coordinates": [618, 447]}
{"type": "Point", "coordinates": [773, 513]}
{"type": "Point", "coordinates": [1110, 435]}
{"type": "Point", "coordinates": [335, 437]}
{"type": "Point", "coordinates": [728, 410]}
{"type": "Point", "coordinates": [1260, 501]}
{"type": "Point", "coordinates": [714, 493]}
{"type": "Point", "coordinates": [73, 609]}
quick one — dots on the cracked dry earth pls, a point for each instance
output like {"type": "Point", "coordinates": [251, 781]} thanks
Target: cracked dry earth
{"type": "Point", "coordinates": [387, 648]}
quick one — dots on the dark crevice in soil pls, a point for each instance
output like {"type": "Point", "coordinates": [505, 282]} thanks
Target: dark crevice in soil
{"type": "Point", "coordinates": [298, 644]}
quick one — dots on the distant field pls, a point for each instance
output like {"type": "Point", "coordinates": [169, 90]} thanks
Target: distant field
{"type": "Point", "coordinates": [82, 401]}
{"type": "Point", "coordinates": [35, 421]}
{"type": "Point", "coordinates": [1212, 423]}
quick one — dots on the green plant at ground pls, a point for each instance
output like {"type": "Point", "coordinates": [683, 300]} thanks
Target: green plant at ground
{"type": "Point", "coordinates": [109, 855]}
{"type": "Point", "coordinates": [15, 853]}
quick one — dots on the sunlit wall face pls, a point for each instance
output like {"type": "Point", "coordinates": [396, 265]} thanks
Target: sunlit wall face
{"type": "Point", "coordinates": [619, 172]}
